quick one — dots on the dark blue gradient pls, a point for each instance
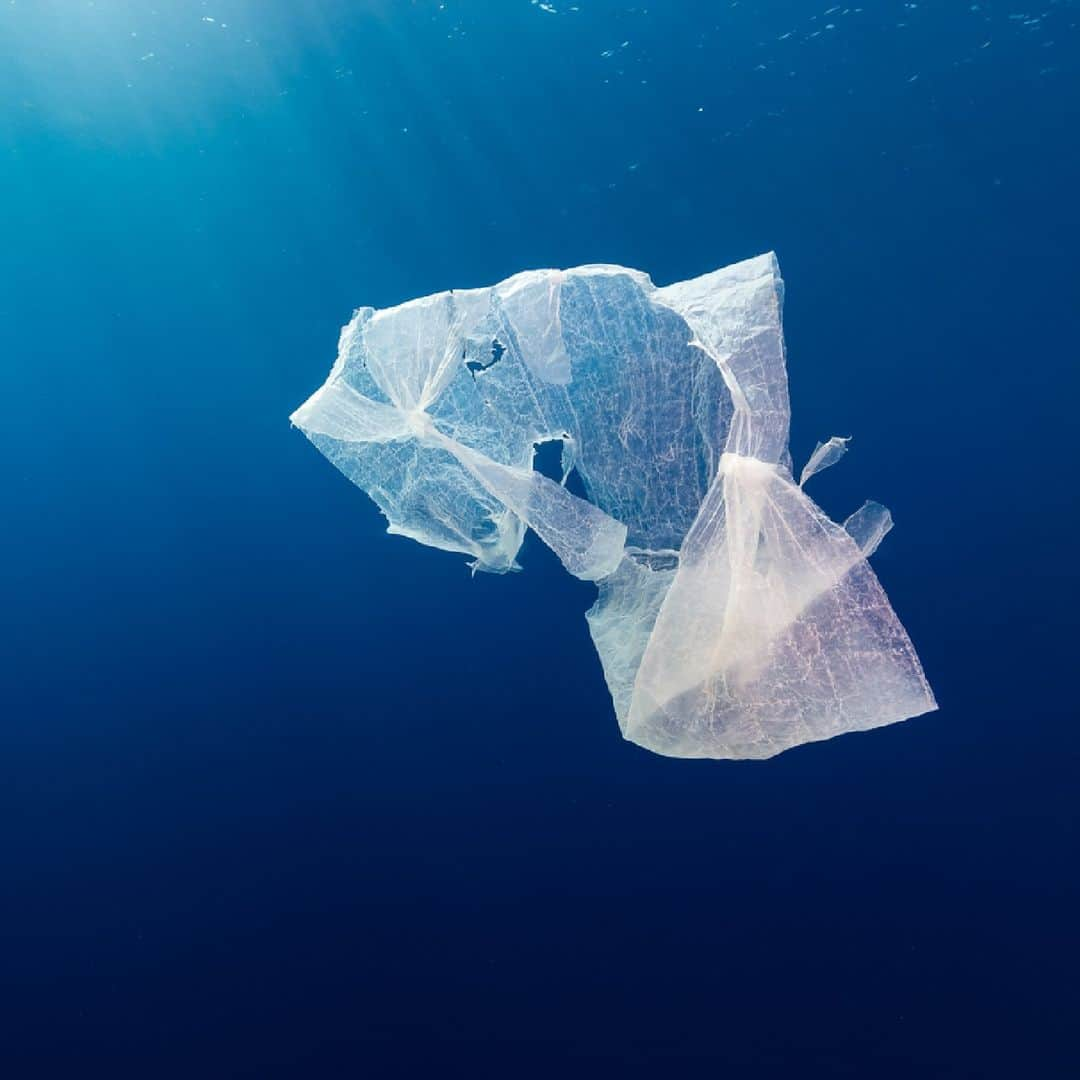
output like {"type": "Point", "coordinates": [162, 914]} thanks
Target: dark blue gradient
{"type": "Point", "coordinates": [284, 796]}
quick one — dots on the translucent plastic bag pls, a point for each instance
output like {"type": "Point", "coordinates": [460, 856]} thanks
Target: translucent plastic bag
{"type": "Point", "coordinates": [734, 619]}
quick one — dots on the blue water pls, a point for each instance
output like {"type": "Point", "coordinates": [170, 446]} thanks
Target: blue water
{"type": "Point", "coordinates": [284, 796]}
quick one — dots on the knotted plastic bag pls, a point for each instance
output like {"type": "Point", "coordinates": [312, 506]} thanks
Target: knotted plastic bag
{"type": "Point", "coordinates": [734, 619]}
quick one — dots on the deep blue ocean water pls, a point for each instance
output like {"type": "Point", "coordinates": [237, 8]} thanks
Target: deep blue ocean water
{"type": "Point", "coordinates": [284, 796]}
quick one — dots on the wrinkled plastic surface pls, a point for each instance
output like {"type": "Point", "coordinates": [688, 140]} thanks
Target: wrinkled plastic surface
{"type": "Point", "coordinates": [734, 619]}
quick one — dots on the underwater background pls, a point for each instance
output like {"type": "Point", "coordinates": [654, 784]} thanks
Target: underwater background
{"type": "Point", "coordinates": [281, 795]}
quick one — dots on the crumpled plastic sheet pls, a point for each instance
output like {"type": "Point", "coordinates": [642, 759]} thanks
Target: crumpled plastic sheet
{"type": "Point", "coordinates": [734, 618]}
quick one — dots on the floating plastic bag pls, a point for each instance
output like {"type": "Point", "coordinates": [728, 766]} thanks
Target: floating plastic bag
{"type": "Point", "coordinates": [734, 619]}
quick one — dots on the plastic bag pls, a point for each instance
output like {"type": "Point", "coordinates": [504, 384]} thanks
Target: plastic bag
{"type": "Point", "coordinates": [734, 619]}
